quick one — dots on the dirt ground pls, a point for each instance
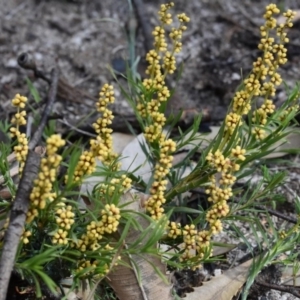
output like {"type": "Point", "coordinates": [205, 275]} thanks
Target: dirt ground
{"type": "Point", "coordinates": [84, 37]}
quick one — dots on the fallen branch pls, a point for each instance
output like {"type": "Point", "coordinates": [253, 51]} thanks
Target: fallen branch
{"type": "Point", "coordinates": [17, 221]}
{"type": "Point", "coordinates": [281, 288]}
{"type": "Point", "coordinates": [277, 214]}
{"type": "Point", "coordinates": [21, 204]}
{"type": "Point", "coordinates": [273, 212]}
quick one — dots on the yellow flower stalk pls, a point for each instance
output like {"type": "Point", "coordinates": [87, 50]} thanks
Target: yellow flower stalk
{"type": "Point", "coordinates": [42, 192]}
{"type": "Point", "coordinates": [261, 82]}
{"type": "Point", "coordinates": [108, 224]}
{"type": "Point", "coordinates": [64, 220]}
{"type": "Point", "coordinates": [101, 147]}
{"type": "Point", "coordinates": [161, 63]}
{"type": "Point", "coordinates": [21, 149]}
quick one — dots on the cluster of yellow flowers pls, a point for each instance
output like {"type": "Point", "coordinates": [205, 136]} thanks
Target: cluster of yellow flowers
{"type": "Point", "coordinates": [115, 185]}
{"type": "Point", "coordinates": [265, 68]}
{"type": "Point", "coordinates": [189, 241]}
{"type": "Point", "coordinates": [21, 149]}
{"type": "Point", "coordinates": [64, 218]}
{"type": "Point", "coordinates": [162, 168]}
{"type": "Point", "coordinates": [264, 76]}
{"type": "Point", "coordinates": [174, 230]}
{"type": "Point", "coordinates": [161, 62]}
{"type": "Point", "coordinates": [42, 190]}
{"type": "Point", "coordinates": [25, 236]}
{"type": "Point", "coordinates": [95, 268]}
{"type": "Point", "coordinates": [261, 82]}
{"type": "Point", "coordinates": [219, 193]}
{"type": "Point", "coordinates": [108, 223]}
{"type": "Point", "coordinates": [219, 190]}
{"type": "Point", "coordinates": [101, 147]}
{"type": "Point", "coordinates": [91, 265]}
{"type": "Point", "coordinates": [86, 165]}
{"type": "Point", "coordinates": [195, 243]}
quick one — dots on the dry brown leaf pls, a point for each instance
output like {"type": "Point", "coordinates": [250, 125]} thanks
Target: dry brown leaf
{"type": "Point", "coordinates": [223, 287]}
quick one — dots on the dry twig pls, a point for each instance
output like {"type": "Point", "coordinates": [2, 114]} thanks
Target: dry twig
{"type": "Point", "coordinates": [17, 221]}
{"type": "Point", "coordinates": [277, 214]}
{"type": "Point", "coordinates": [287, 289]}
{"type": "Point", "coordinates": [21, 204]}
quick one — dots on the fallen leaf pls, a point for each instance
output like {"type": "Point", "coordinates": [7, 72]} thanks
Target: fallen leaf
{"type": "Point", "coordinates": [223, 287]}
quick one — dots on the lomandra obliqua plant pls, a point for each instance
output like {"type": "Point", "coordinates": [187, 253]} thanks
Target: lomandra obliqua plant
{"type": "Point", "coordinates": [63, 237]}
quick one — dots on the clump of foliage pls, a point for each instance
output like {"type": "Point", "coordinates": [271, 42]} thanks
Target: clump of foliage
{"type": "Point", "coordinates": [63, 238]}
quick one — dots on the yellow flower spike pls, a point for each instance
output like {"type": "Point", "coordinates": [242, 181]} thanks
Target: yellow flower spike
{"type": "Point", "coordinates": [160, 59]}
{"type": "Point", "coordinates": [85, 166]}
{"type": "Point", "coordinates": [65, 216]}
{"type": "Point", "coordinates": [21, 149]}
{"type": "Point", "coordinates": [175, 34]}
{"type": "Point", "coordinates": [218, 161]}
{"type": "Point", "coordinates": [218, 194]}
{"type": "Point", "coordinates": [41, 192]}
{"type": "Point", "coordinates": [164, 16]}
{"type": "Point", "coordinates": [169, 64]}
{"type": "Point", "coordinates": [261, 82]}
{"type": "Point", "coordinates": [189, 230]}
{"type": "Point", "coordinates": [163, 94]}
{"type": "Point", "coordinates": [60, 237]}
{"type": "Point", "coordinates": [101, 147]}
{"type": "Point", "coordinates": [160, 43]}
